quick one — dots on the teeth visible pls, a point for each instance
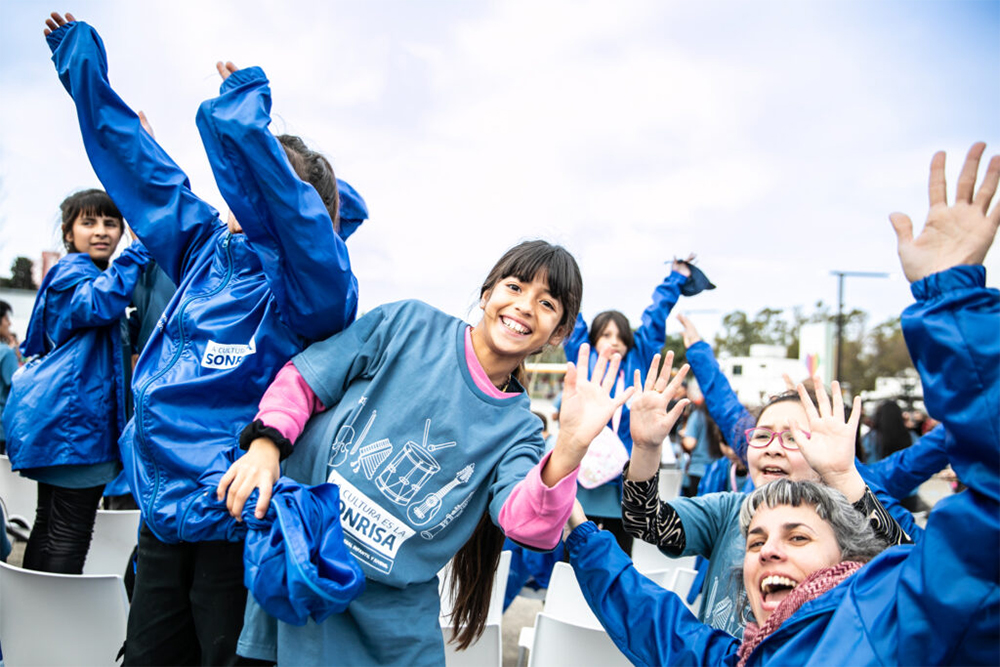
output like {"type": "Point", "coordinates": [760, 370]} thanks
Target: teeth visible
{"type": "Point", "coordinates": [774, 581]}
{"type": "Point", "coordinates": [514, 326]}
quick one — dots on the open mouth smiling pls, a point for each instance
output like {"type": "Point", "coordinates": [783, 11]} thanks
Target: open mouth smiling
{"type": "Point", "coordinates": [515, 326]}
{"type": "Point", "coordinates": [775, 588]}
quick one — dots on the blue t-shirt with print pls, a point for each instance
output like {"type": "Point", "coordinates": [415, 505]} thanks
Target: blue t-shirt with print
{"type": "Point", "coordinates": [420, 453]}
{"type": "Point", "coordinates": [712, 530]}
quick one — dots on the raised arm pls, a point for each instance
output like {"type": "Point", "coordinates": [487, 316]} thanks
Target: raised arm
{"type": "Point", "coordinates": [725, 408]}
{"type": "Point", "coordinates": [901, 473]}
{"type": "Point", "coordinates": [149, 189]}
{"type": "Point", "coordinates": [951, 333]}
{"type": "Point", "coordinates": [305, 261]}
{"type": "Point", "coordinates": [576, 338]}
{"type": "Point", "coordinates": [652, 332]}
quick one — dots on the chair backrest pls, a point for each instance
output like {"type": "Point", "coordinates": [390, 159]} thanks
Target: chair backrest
{"type": "Point", "coordinates": [487, 651]}
{"type": "Point", "coordinates": [19, 494]}
{"type": "Point", "coordinates": [116, 532]}
{"type": "Point", "coordinates": [61, 619]}
{"type": "Point", "coordinates": [559, 643]}
{"type": "Point", "coordinates": [670, 483]}
{"type": "Point", "coordinates": [683, 578]}
{"type": "Point", "coordinates": [564, 600]}
{"type": "Point", "coordinates": [648, 558]}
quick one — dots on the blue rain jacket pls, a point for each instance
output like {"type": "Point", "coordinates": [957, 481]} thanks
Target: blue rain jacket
{"type": "Point", "coordinates": [902, 472]}
{"type": "Point", "coordinates": [733, 419]}
{"type": "Point", "coordinates": [245, 303]}
{"type": "Point", "coordinates": [933, 603]}
{"type": "Point", "coordinates": [68, 406]}
{"type": "Point", "coordinates": [648, 339]}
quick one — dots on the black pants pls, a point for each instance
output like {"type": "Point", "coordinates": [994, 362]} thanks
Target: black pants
{"type": "Point", "coordinates": [616, 527]}
{"type": "Point", "coordinates": [187, 606]}
{"type": "Point", "coordinates": [64, 524]}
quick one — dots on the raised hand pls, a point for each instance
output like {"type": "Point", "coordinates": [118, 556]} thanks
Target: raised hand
{"type": "Point", "coordinates": [650, 420]}
{"type": "Point", "coordinates": [225, 69]}
{"type": "Point", "coordinates": [690, 334]}
{"type": "Point", "coordinates": [57, 21]}
{"type": "Point", "coordinates": [829, 446]}
{"type": "Point", "coordinates": [144, 121]}
{"type": "Point", "coordinates": [587, 404]}
{"type": "Point", "coordinates": [681, 267]}
{"type": "Point", "coordinates": [952, 235]}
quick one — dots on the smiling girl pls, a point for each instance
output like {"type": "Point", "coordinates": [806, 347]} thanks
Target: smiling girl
{"type": "Point", "coordinates": [63, 420]}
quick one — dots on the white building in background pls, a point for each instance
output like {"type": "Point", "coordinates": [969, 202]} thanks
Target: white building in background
{"type": "Point", "coordinates": [758, 376]}
{"type": "Point", "coordinates": [905, 390]}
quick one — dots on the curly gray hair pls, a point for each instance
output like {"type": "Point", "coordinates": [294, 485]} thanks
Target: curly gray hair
{"type": "Point", "coordinates": [854, 533]}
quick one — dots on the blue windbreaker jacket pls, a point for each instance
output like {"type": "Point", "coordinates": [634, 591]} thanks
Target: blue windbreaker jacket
{"type": "Point", "coordinates": [245, 303]}
{"type": "Point", "coordinates": [67, 407]}
{"type": "Point", "coordinates": [933, 603]}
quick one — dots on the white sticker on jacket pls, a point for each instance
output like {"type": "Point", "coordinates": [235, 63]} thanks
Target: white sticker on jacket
{"type": "Point", "coordinates": [372, 534]}
{"type": "Point", "coordinates": [218, 355]}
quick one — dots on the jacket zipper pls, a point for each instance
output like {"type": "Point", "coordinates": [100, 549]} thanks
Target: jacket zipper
{"type": "Point", "coordinates": [140, 395]}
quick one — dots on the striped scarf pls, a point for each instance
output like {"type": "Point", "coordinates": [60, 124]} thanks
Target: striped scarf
{"type": "Point", "coordinates": [815, 584]}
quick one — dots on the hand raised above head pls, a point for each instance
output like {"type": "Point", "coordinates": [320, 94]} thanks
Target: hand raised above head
{"type": "Point", "coordinates": [225, 69]}
{"type": "Point", "coordinates": [650, 420]}
{"type": "Point", "coordinates": [953, 235]}
{"type": "Point", "coordinates": [587, 403]}
{"type": "Point", "coordinates": [56, 21]}
{"type": "Point", "coordinates": [691, 335]}
{"type": "Point", "coordinates": [681, 266]}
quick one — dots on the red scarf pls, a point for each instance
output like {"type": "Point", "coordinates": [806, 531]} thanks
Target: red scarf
{"type": "Point", "coordinates": [815, 584]}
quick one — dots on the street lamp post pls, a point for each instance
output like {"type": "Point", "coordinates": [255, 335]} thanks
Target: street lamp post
{"type": "Point", "coordinates": [840, 307]}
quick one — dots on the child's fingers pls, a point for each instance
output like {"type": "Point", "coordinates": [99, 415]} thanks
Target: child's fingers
{"type": "Point", "coordinates": [664, 377]}
{"type": "Point", "coordinates": [789, 385]}
{"type": "Point", "coordinates": [622, 397]}
{"type": "Point", "coordinates": [637, 381]}
{"type": "Point", "coordinates": [238, 497]}
{"type": "Point", "coordinates": [569, 382]}
{"type": "Point", "coordinates": [224, 483]}
{"type": "Point", "coordinates": [583, 356]}
{"type": "Point", "coordinates": [263, 500]}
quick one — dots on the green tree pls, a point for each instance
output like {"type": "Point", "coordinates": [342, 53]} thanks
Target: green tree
{"type": "Point", "coordinates": [21, 274]}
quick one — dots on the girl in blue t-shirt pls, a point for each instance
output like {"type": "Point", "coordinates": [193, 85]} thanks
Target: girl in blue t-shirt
{"type": "Point", "coordinates": [423, 423]}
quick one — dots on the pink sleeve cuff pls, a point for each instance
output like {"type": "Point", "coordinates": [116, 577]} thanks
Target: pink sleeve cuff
{"type": "Point", "coordinates": [534, 514]}
{"type": "Point", "coordinates": [288, 403]}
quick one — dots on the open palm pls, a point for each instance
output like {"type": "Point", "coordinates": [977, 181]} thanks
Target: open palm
{"type": "Point", "coordinates": [587, 403]}
{"type": "Point", "coordinates": [650, 420]}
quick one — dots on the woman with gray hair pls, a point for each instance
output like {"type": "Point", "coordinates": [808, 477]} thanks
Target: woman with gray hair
{"type": "Point", "coordinates": [814, 598]}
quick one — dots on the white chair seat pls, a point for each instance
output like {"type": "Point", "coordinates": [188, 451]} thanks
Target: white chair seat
{"type": "Point", "coordinates": [61, 619]}
{"type": "Point", "coordinates": [116, 532]}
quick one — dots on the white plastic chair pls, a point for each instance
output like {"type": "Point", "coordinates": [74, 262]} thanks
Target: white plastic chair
{"type": "Point", "coordinates": [116, 532]}
{"type": "Point", "coordinates": [648, 558]}
{"type": "Point", "coordinates": [487, 651]}
{"type": "Point", "coordinates": [670, 483]}
{"type": "Point", "coordinates": [61, 619]}
{"type": "Point", "coordinates": [559, 643]}
{"type": "Point", "coordinates": [19, 494]}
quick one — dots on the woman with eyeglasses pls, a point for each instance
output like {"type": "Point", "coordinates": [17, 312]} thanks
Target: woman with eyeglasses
{"type": "Point", "coordinates": [709, 525]}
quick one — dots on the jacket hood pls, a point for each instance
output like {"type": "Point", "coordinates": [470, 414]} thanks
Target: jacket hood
{"type": "Point", "coordinates": [353, 209]}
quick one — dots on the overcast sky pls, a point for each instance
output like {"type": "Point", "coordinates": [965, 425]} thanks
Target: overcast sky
{"type": "Point", "coordinates": [771, 138]}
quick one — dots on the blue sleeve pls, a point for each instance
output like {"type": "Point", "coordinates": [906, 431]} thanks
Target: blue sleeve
{"type": "Point", "coordinates": [720, 399]}
{"type": "Point", "coordinates": [101, 301]}
{"type": "Point", "coordinates": [150, 190]}
{"type": "Point", "coordinates": [695, 426]}
{"type": "Point", "coordinates": [305, 262]}
{"type": "Point", "coordinates": [577, 337]}
{"type": "Point", "coordinates": [704, 520]}
{"type": "Point", "coordinates": [649, 624]}
{"type": "Point", "coordinates": [652, 333]}
{"type": "Point", "coordinates": [901, 473]}
{"type": "Point", "coordinates": [951, 333]}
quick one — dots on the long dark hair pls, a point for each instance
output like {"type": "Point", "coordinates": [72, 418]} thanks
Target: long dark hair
{"type": "Point", "coordinates": [85, 202]}
{"type": "Point", "coordinates": [890, 429]}
{"type": "Point", "coordinates": [601, 321]}
{"type": "Point", "coordinates": [471, 581]}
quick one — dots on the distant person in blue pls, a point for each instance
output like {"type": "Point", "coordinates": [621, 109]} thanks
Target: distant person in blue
{"type": "Point", "coordinates": [9, 361]}
{"type": "Point", "coordinates": [253, 290]}
{"type": "Point", "coordinates": [67, 408]}
{"type": "Point", "coordinates": [700, 438]}
{"type": "Point", "coordinates": [611, 330]}
{"type": "Point", "coordinates": [817, 594]}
